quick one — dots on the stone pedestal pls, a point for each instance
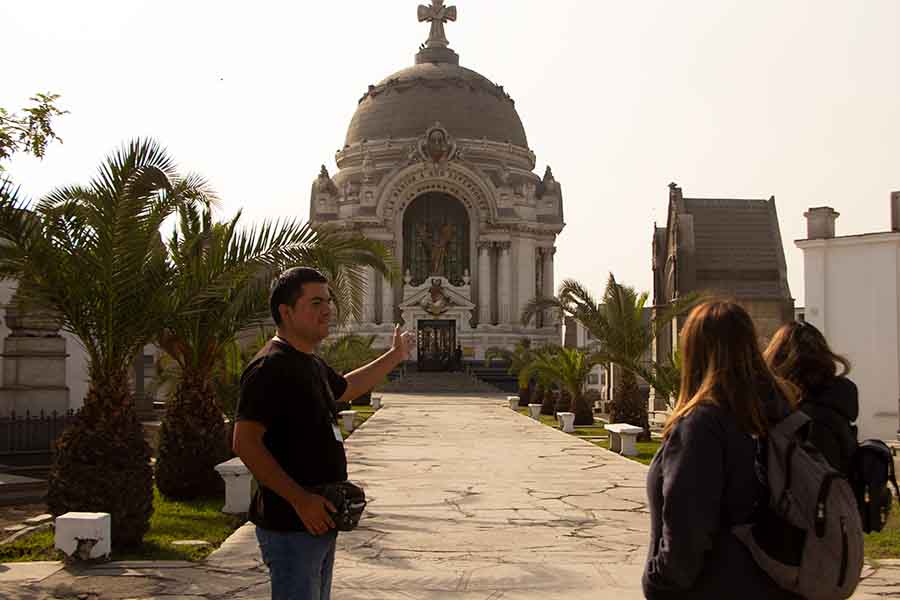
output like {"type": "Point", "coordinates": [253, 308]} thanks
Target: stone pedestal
{"type": "Point", "coordinates": [534, 411]}
{"type": "Point", "coordinates": [513, 402]}
{"type": "Point", "coordinates": [84, 535]}
{"type": "Point", "coordinates": [348, 416]}
{"type": "Point", "coordinates": [238, 483]}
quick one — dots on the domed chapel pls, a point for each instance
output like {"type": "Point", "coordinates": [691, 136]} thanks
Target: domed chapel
{"type": "Point", "coordinates": [436, 165]}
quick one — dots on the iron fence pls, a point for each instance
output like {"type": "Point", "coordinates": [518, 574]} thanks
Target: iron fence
{"type": "Point", "coordinates": [32, 433]}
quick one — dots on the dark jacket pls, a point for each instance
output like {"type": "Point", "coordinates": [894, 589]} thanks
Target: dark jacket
{"type": "Point", "coordinates": [701, 482]}
{"type": "Point", "coordinates": [833, 408]}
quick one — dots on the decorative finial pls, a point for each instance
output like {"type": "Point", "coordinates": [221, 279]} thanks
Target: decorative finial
{"type": "Point", "coordinates": [437, 14]}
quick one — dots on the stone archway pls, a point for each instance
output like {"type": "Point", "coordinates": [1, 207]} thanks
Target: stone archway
{"type": "Point", "coordinates": [437, 236]}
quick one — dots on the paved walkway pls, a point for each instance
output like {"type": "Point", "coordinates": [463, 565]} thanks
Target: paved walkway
{"type": "Point", "coordinates": [468, 501]}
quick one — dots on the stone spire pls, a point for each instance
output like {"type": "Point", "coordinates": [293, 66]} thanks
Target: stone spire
{"type": "Point", "coordinates": [437, 49]}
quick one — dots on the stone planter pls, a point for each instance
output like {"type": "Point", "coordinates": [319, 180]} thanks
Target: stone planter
{"type": "Point", "coordinates": [348, 416]}
{"type": "Point", "coordinates": [534, 411]}
{"type": "Point", "coordinates": [513, 402]}
{"type": "Point", "coordinates": [566, 421]}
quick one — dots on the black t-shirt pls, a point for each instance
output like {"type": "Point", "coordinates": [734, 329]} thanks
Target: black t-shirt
{"type": "Point", "coordinates": [284, 390]}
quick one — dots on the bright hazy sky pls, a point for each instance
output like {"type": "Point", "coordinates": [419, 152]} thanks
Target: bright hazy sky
{"type": "Point", "coordinates": [730, 98]}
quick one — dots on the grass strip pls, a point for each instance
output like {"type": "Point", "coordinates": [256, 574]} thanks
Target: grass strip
{"type": "Point", "coordinates": [646, 450]}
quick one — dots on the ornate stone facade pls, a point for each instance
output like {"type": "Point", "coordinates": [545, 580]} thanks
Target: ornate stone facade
{"type": "Point", "coordinates": [444, 145]}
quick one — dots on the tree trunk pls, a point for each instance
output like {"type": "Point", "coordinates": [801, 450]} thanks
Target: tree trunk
{"type": "Point", "coordinates": [546, 399]}
{"type": "Point", "coordinates": [627, 405]}
{"type": "Point", "coordinates": [524, 396]}
{"type": "Point", "coordinates": [102, 463]}
{"type": "Point", "coordinates": [191, 441]}
{"type": "Point", "coordinates": [563, 401]}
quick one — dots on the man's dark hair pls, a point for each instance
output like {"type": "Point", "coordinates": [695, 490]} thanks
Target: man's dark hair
{"type": "Point", "coordinates": [288, 287]}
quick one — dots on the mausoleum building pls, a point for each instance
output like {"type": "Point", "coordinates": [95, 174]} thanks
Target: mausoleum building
{"type": "Point", "coordinates": [436, 165]}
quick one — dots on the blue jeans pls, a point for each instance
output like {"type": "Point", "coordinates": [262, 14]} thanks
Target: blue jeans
{"type": "Point", "coordinates": [300, 564]}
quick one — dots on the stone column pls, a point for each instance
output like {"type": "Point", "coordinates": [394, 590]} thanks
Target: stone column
{"type": "Point", "coordinates": [377, 294]}
{"type": "Point", "coordinates": [504, 285]}
{"type": "Point", "coordinates": [387, 301]}
{"type": "Point", "coordinates": [484, 283]}
{"type": "Point", "coordinates": [549, 289]}
{"type": "Point", "coordinates": [371, 296]}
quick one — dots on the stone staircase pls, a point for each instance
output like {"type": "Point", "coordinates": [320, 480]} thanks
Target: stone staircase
{"type": "Point", "coordinates": [414, 382]}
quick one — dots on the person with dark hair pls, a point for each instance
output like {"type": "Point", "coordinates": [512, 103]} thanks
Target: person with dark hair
{"type": "Point", "coordinates": [703, 479]}
{"type": "Point", "coordinates": [800, 353]}
{"type": "Point", "coordinates": [287, 434]}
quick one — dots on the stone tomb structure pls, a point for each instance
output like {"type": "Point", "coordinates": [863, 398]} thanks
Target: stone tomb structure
{"type": "Point", "coordinates": [722, 247]}
{"type": "Point", "coordinates": [436, 165]}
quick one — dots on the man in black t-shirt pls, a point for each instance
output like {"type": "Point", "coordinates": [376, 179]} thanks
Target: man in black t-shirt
{"type": "Point", "coordinates": [287, 434]}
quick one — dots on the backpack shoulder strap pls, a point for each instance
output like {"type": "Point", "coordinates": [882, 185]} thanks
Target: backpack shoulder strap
{"type": "Point", "coordinates": [791, 424]}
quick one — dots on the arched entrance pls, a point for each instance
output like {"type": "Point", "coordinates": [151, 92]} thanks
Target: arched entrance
{"type": "Point", "coordinates": [436, 242]}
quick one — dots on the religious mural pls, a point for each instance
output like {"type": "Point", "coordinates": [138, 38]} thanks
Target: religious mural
{"type": "Point", "coordinates": [436, 239]}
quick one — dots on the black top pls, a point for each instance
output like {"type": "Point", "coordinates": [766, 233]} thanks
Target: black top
{"type": "Point", "coordinates": [284, 390]}
{"type": "Point", "coordinates": [701, 482]}
{"type": "Point", "coordinates": [833, 407]}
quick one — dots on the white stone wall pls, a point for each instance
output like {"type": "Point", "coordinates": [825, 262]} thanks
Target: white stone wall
{"type": "Point", "coordinates": [852, 288]}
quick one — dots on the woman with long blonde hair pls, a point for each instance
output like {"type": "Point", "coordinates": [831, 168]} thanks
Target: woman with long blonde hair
{"type": "Point", "coordinates": [703, 479]}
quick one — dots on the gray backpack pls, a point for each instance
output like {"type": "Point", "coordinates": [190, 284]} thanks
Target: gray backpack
{"type": "Point", "coordinates": [809, 538]}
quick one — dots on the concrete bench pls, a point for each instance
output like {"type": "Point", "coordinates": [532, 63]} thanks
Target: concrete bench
{"type": "Point", "coordinates": [623, 438]}
{"type": "Point", "coordinates": [534, 411]}
{"type": "Point", "coordinates": [348, 416]}
{"type": "Point", "coordinates": [84, 535]}
{"type": "Point", "coordinates": [237, 486]}
{"type": "Point", "coordinates": [566, 421]}
{"type": "Point", "coordinates": [513, 402]}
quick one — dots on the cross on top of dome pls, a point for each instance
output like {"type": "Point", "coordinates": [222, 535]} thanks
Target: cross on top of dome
{"type": "Point", "coordinates": [437, 14]}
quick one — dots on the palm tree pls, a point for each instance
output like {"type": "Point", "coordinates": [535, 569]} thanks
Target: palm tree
{"type": "Point", "coordinates": [518, 358]}
{"type": "Point", "coordinates": [220, 287]}
{"type": "Point", "coordinates": [93, 255]}
{"type": "Point", "coordinates": [568, 367]}
{"type": "Point", "coordinates": [349, 352]}
{"type": "Point", "coordinates": [623, 338]}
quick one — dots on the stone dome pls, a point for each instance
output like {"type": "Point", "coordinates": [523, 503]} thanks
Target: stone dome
{"type": "Point", "coordinates": [407, 103]}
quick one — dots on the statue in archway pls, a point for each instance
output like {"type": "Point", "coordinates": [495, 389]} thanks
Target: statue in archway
{"type": "Point", "coordinates": [436, 239]}
{"type": "Point", "coordinates": [439, 245]}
